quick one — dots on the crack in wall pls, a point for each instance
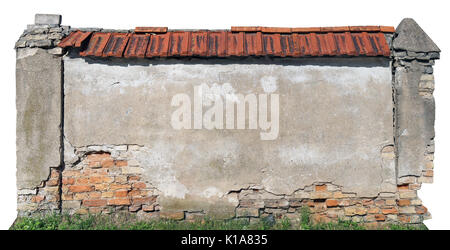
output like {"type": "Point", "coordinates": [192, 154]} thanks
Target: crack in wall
{"type": "Point", "coordinates": [62, 145]}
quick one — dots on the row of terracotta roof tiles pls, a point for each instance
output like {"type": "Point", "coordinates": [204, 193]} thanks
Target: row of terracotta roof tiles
{"type": "Point", "coordinates": [157, 42]}
{"type": "Point", "coordinates": [385, 29]}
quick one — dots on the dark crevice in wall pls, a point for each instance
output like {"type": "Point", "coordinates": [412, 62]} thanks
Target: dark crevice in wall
{"type": "Point", "coordinates": [61, 127]}
{"type": "Point", "coordinates": [394, 101]}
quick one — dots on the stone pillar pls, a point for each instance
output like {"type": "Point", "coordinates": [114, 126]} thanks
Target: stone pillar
{"type": "Point", "coordinates": [414, 54]}
{"type": "Point", "coordinates": [39, 115]}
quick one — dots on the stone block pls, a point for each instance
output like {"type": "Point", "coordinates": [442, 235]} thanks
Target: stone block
{"type": "Point", "coordinates": [47, 19]}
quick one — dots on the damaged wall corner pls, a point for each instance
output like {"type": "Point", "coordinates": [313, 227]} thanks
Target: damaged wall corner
{"type": "Point", "coordinates": [39, 73]}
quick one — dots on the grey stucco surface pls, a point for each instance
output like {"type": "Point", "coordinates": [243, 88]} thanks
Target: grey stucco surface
{"type": "Point", "coordinates": [38, 102]}
{"type": "Point", "coordinates": [415, 120]}
{"type": "Point", "coordinates": [335, 118]}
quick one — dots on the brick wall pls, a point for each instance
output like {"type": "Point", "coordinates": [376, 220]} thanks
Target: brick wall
{"type": "Point", "coordinates": [107, 179]}
{"type": "Point", "coordinates": [106, 182]}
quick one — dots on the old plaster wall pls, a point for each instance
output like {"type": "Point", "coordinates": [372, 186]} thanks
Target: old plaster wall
{"type": "Point", "coordinates": [356, 135]}
{"type": "Point", "coordinates": [336, 116]}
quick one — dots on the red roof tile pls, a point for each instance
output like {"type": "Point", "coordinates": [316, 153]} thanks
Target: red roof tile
{"type": "Point", "coordinates": [199, 43]}
{"type": "Point", "coordinates": [180, 44]}
{"type": "Point", "coordinates": [97, 44]}
{"type": "Point", "coordinates": [137, 45]}
{"type": "Point", "coordinates": [239, 41]}
{"type": "Point", "coordinates": [217, 44]}
{"type": "Point", "coordinates": [150, 29]}
{"type": "Point", "coordinates": [75, 39]}
{"type": "Point", "coordinates": [116, 45]}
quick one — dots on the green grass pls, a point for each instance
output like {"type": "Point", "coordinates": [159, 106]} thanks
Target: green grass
{"type": "Point", "coordinates": [129, 222]}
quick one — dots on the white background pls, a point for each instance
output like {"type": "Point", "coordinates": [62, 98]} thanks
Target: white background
{"type": "Point", "coordinates": [432, 16]}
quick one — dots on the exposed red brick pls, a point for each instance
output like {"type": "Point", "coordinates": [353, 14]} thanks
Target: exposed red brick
{"type": "Point", "coordinates": [421, 210]}
{"type": "Point", "coordinates": [94, 164]}
{"type": "Point", "coordinates": [428, 173]}
{"type": "Point", "coordinates": [321, 188]}
{"type": "Point", "coordinates": [119, 202]}
{"type": "Point", "coordinates": [52, 182]}
{"type": "Point", "coordinates": [54, 174]}
{"type": "Point", "coordinates": [121, 193]}
{"type": "Point", "coordinates": [121, 163]}
{"type": "Point", "coordinates": [94, 195]}
{"type": "Point", "coordinates": [403, 187]}
{"type": "Point", "coordinates": [101, 187]}
{"type": "Point", "coordinates": [80, 188]}
{"type": "Point", "coordinates": [81, 196]}
{"type": "Point", "coordinates": [107, 194]}
{"type": "Point", "coordinates": [37, 198]}
{"type": "Point", "coordinates": [379, 203]}
{"type": "Point", "coordinates": [135, 193]}
{"type": "Point", "coordinates": [82, 180]}
{"type": "Point", "coordinates": [139, 185]}
{"type": "Point", "coordinates": [115, 186]}
{"type": "Point", "coordinates": [332, 203]}
{"type": "Point", "coordinates": [67, 197]}
{"type": "Point", "coordinates": [145, 200]}
{"type": "Point", "coordinates": [389, 211]}
{"type": "Point", "coordinates": [373, 210]}
{"type": "Point", "coordinates": [100, 179]}
{"type": "Point", "coordinates": [99, 171]}
{"type": "Point", "coordinates": [71, 173]}
{"type": "Point", "coordinates": [94, 203]}
{"type": "Point", "coordinates": [107, 163]}
{"type": "Point", "coordinates": [121, 179]}
{"type": "Point", "coordinates": [98, 156]}
{"type": "Point", "coordinates": [380, 217]}
{"type": "Point", "coordinates": [148, 208]}
{"type": "Point", "coordinates": [68, 181]}
{"type": "Point", "coordinates": [367, 202]}
{"type": "Point", "coordinates": [134, 178]}
{"type": "Point", "coordinates": [403, 202]}
{"type": "Point", "coordinates": [415, 186]}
